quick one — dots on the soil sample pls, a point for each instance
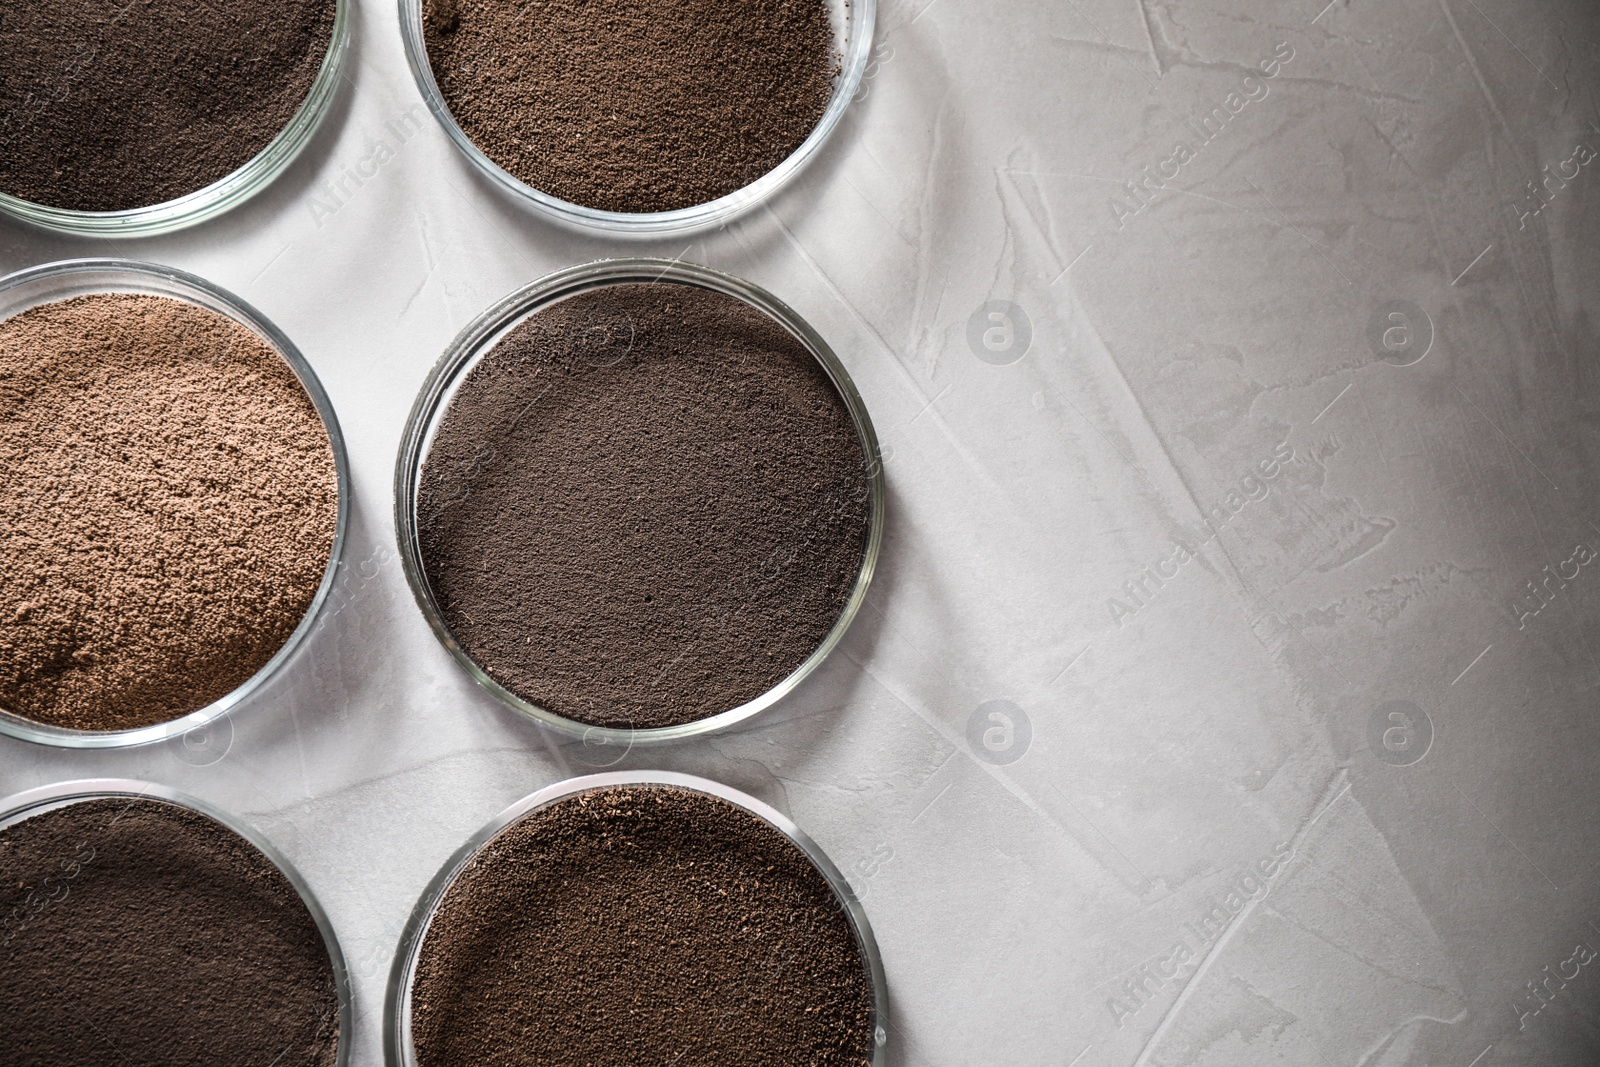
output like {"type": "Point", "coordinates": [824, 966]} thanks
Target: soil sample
{"type": "Point", "coordinates": [647, 504]}
{"type": "Point", "coordinates": [168, 501]}
{"type": "Point", "coordinates": [107, 105]}
{"type": "Point", "coordinates": [634, 105]}
{"type": "Point", "coordinates": [140, 933]}
{"type": "Point", "coordinates": [635, 924]}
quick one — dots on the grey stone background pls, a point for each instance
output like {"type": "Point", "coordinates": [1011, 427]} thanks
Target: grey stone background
{"type": "Point", "coordinates": [1312, 785]}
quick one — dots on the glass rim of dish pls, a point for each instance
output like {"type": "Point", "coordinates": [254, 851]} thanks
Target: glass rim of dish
{"type": "Point", "coordinates": [54, 284]}
{"type": "Point", "coordinates": [24, 805]}
{"type": "Point", "coordinates": [854, 39]}
{"type": "Point", "coordinates": [397, 1037]}
{"type": "Point", "coordinates": [480, 337]}
{"type": "Point", "coordinates": [225, 193]}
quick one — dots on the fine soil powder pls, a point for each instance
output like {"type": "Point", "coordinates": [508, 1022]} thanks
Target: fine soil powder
{"type": "Point", "coordinates": [647, 504]}
{"type": "Point", "coordinates": [168, 500]}
{"type": "Point", "coordinates": [634, 105]}
{"type": "Point", "coordinates": [140, 933]}
{"type": "Point", "coordinates": [107, 105]}
{"type": "Point", "coordinates": [633, 925]}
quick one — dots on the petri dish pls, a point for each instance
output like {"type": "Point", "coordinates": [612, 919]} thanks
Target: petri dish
{"type": "Point", "coordinates": [55, 282]}
{"type": "Point", "coordinates": [209, 849]}
{"type": "Point", "coordinates": [852, 22]}
{"type": "Point", "coordinates": [490, 851]}
{"type": "Point", "coordinates": [481, 337]}
{"type": "Point", "coordinates": [221, 195]}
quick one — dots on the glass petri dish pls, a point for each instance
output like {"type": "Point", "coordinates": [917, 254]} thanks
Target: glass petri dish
{"type": "Point", "coordinates": [398, 1046]}
{"type": "Point", "coordinates": [852, 24]}
{"type": "Point", "coordinates": [54, 282]}
{"type": "Point", "coordinates": [480, 337]}
{"type": "Point", "coordinates": [223, 194]}
{"type": "Point", "coordinates": [34, 802]}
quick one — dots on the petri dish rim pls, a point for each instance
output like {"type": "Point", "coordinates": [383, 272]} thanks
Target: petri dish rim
{"type": "Point", "coordinates": [480, 336]}
{"type": "Point", "coordinates": [24, 805]}
{"type": "Point", "coordinates": [53, 282]}
{"type": "Point", "coordinates": [854, 22]}
{"type": "Point", "coordinates": [397, 1038]}
{"type": "Point", "coordinates": [225, 193]}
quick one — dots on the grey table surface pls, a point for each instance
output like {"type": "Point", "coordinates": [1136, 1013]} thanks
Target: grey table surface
{"type": "Point", "coordinates": [1312, 785]}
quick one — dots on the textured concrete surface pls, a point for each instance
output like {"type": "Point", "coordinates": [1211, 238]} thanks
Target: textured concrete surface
{"type": "Point", "coordinates": [1228, 693]}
